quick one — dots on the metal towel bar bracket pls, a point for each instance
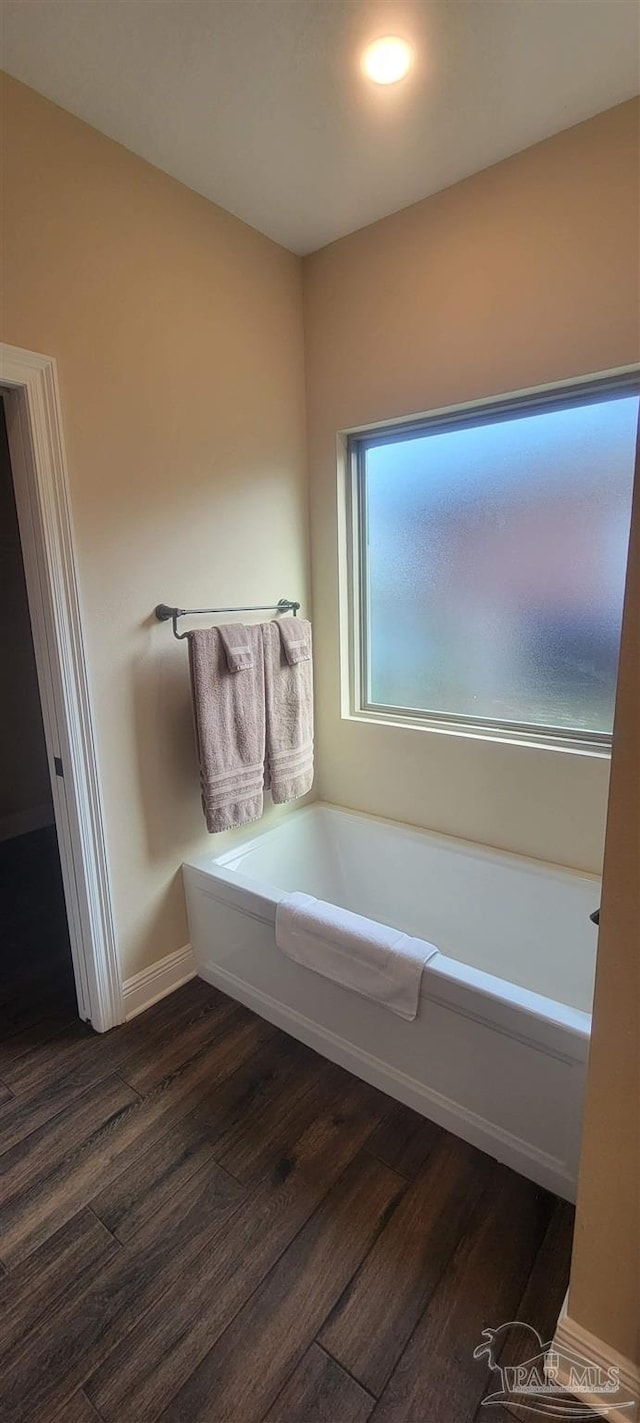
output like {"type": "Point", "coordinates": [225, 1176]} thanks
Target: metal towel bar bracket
{"type": "Point", "coordinates": [166, 614]}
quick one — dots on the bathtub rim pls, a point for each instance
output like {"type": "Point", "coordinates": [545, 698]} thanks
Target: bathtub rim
{"type": "Point", "coordinates": [250, 835]}
{"type": "Point", "coordinates": [519, 1012]}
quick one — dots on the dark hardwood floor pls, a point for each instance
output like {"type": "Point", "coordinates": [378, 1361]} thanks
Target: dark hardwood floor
{"type": "Point", "coordinates": [203, 1220]}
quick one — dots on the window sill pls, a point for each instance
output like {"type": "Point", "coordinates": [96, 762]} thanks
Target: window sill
{"type": "Point", "coordinates": [575, 746]}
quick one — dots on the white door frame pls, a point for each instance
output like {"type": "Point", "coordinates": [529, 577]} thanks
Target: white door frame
{"type": "Point", "coordinates": [34, 420]}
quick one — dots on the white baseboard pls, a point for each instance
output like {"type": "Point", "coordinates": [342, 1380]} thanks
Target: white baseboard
{"type": "Point", "coordinates": [571, 1339]}
{"type": "Point", "coordinates": [155, 982]}
{"type": "Point", "coordinates": [22, 822]}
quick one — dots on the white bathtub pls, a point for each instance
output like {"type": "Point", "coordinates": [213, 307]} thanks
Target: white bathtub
{"type": "Point", "coordinates": [497, 1053]}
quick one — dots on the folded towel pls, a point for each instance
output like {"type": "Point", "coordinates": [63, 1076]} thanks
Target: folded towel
{"type": "Point", "coordinates": [238, 651]}
{"type": "Point", "coordinates": [370, 958]}
{"type": "Point", "coordinates": [295, 635]}
{"type": "Point", "coordinates": [289, 711]}
{"type": "Point", "coordinates": [229, 714]}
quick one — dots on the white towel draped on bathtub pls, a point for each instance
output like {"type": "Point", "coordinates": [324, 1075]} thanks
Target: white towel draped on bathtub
{"type": "Point", "coordinates": [370, 958]}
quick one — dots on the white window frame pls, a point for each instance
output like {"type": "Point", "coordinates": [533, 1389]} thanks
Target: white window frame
{"type": "Point", "coordinates": [354, 444]}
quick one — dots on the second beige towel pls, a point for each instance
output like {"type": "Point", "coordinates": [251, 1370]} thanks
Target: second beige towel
{"type": "Point", "coordinates": [288, 674]}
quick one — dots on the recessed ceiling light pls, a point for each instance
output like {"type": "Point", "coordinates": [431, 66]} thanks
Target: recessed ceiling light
{"type": "Point", "coordinates": [387, 60]}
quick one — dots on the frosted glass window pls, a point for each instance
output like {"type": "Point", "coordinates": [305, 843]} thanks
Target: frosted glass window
{"type": "Point", "coordinates": [493, 560]}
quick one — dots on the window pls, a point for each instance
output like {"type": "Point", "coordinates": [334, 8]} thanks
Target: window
{"type": "Point", "coordinates": [490, 557]}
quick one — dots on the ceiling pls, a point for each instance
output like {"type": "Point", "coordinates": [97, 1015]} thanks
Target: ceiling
{"type": "Point", "coordinates": [261, 105]}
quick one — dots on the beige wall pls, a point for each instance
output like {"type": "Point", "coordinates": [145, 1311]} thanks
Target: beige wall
{"type": "Point", "coordinates": [178, 336]}
{"type": "Point", "coordinates": [605, 1277]}
{"type": "Point", "coordinates": [25, 790]}
{"type": "Point", "coordinates": [522, 275]}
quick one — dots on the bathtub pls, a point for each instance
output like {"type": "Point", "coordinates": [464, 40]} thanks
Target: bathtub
{"type": "Point", "coordinates": [497, 1053]}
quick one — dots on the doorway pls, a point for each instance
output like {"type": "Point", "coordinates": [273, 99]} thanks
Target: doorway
{"type": "Point", "coordinates": [37, 967]}
{"type": "Point", "coordinates": [31, 397]}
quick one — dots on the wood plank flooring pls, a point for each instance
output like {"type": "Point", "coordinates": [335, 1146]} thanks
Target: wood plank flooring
{"type": "Point", "coordinates": [202, 1221]}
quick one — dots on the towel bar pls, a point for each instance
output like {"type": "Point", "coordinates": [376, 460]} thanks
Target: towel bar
{"type": "Point", "coordinates": [166, 614]}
